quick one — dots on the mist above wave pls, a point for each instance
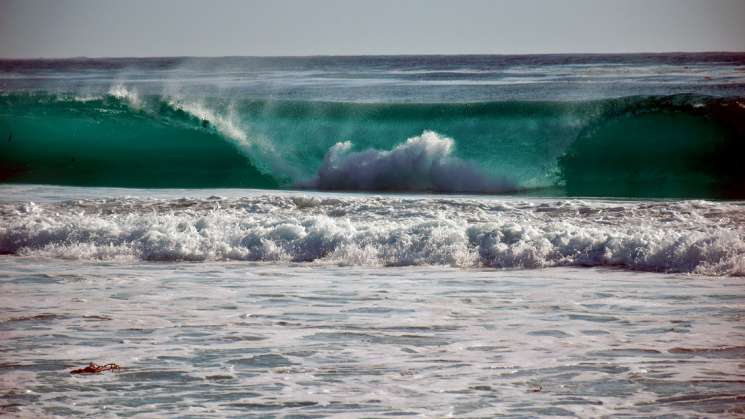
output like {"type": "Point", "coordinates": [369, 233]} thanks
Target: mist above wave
{"type": "Point", "coordinates": [422, 163]}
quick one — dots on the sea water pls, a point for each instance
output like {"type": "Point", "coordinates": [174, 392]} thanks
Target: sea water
{"type": "Point", "coordinates": [293, 340]}
{"type": "Point", "coordinates": [654, 125]}
{"type": "Point", "coordinates": [249, 303]}
{"type": "Point", "coordinates": [432, 236]}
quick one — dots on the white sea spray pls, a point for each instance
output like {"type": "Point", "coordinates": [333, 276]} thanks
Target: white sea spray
{"type": "Point", "coordinates": [387, 231]}
{"type": "Point", "coordinates": [421, 163]}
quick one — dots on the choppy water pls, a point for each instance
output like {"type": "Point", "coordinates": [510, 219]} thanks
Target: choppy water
{"type": "Point", "coordinates": [258, 340]}
{"type": "Point", "coordinates": [298, 304]}
{"type": "Point", "coordinates": [391, 79]}
{"type": "Point", "coordinates": [699, 237]}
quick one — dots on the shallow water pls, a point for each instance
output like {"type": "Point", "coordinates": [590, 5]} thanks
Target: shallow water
{"type": "Point", "coordinates": [700, 237]}
{"type": "Point", "coordinates": [248, 339]}
{"type": "Point", "coordinates": [298, 304]}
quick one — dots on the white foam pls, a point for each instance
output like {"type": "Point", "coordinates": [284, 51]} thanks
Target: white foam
{"type": "Point", "coordinates": [696, 237]}
{"type": "Point", "coordinates": [129, 95]}
{"type": "Point", "coordinates": [422, 163]}
{"type": "Point", "coordinates": [85, 98]}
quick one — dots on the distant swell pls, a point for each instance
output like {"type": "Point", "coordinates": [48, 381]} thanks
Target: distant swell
{"type": "Point", "coordinates": [694, 237]}
{"type": "Point", "coordinates": [422, 163]}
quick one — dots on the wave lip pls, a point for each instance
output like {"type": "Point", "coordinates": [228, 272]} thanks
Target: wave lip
{"type": "Point", "coordinates": [123, 139]}
{"type": "Point", "coordinates": [422, 163]}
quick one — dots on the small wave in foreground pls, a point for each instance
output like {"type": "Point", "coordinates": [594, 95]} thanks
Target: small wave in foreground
{"type": "Point", "coordinates": [693, 236]}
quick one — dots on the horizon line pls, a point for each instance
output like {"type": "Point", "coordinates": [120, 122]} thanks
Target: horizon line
{"type": "Point", "coordinates": [124, 57]}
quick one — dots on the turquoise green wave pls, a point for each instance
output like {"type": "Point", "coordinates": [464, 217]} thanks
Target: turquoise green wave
{"type": "Point", "coordinates": [679, 146]}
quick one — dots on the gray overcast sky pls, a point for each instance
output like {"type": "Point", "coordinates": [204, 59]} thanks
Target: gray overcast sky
{"type": "Point", "coordinates": [64, 28]}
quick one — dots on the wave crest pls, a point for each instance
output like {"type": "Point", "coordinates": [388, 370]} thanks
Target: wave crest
{"type": "Point", "coordinates": [422, 163]}
{"type": "Point", "coordinates": [121, 92]}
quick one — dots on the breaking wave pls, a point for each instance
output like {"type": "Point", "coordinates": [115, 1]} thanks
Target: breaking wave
{"type": "Point", "coordinates": [422, 163]}
{"type": "Point", "coordinates": [692, 237]}
{"type": "Point", "coordinates": [658, 146]}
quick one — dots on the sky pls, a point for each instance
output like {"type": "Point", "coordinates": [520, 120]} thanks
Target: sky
{"type": "Point", "coordinates": [137, 28]}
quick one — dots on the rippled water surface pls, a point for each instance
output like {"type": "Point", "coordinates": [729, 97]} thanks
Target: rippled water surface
{"type": "Point", "coordinates": [306, 340]}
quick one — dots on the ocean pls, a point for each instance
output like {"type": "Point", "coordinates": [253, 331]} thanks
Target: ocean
{"type": "Point", "coordinates": [375, 236]}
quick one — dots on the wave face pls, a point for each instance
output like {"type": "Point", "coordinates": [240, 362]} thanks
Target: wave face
{"type": "Point", "coordinates": [691, 236]}
{"type": "Point", "coordinates": [668, 146]}
{"type": "Point", "coordinates": [117, 140]}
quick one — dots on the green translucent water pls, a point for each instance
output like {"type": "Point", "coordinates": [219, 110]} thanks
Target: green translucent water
{"type": "Point", "coordinates": [677, 146]}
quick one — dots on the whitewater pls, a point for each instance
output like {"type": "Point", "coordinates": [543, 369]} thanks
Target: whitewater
{"type": "Point", "coordinates": [433, 236]}
{"type": "Point", "coordinates": [374, 231]}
